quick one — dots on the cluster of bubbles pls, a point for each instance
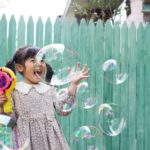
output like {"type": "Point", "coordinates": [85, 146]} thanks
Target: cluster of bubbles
{"type": "Point", "coordinates": [111, 119]}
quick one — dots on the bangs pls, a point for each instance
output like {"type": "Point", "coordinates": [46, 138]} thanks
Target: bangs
{"type": "Point", "coordinates": [31, 52]}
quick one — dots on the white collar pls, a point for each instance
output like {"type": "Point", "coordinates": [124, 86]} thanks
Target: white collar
{"type": "Point", "coordinates": [25, 87]}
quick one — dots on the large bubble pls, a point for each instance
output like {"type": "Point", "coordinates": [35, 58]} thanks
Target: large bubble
{"type": "Point", "coordinates": [60, 59]}
{"type": "Point", "coordinates": [86, 134]}
{"type": "Point", "coordinates": [112, 72]}
{"type": "Point", "coordinates": [66, 106]}
{"type": "Point", "coordinates": [84, 99]}
{"type": "Point", "coordinates": [112, 120]}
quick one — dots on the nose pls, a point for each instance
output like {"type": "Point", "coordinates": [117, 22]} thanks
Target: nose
{"type": "Point", "coordinates": [38, 63]}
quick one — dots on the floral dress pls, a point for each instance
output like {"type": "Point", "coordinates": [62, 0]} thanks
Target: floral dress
{"type": "Point", "coordinates": [34, 109]}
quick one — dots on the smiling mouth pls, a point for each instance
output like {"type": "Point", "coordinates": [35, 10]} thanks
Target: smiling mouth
{"type": "Point", "coordinates": [38, 74]}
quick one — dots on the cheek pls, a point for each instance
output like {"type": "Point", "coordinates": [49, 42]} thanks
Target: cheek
{"type": "Point", "coordinates": [44, 67]}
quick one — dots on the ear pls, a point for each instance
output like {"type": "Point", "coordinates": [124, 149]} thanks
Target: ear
{"type": "Point", "coordinates": [20, 68]}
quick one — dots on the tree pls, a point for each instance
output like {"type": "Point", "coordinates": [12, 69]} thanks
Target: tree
{"type": "Point", "coordinates": [99, 9]}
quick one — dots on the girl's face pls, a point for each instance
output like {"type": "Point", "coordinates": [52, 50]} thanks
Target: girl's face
{"type": "Point", "coordinates": [33, 72]}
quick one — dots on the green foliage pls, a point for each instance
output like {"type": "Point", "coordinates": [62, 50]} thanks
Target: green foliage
{"type": "Point", "coordinates": [98, 9]}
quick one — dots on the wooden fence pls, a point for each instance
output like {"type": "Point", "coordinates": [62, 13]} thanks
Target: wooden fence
{"type": "Point", "coordinates": [95, 44]}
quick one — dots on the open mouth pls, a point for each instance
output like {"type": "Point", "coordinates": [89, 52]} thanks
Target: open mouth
{"type": "Point", "coordinates": [38, 73]}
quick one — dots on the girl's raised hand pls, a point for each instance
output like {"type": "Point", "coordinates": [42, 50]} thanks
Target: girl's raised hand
{"type": "Point", "coordinates": [81, 74]}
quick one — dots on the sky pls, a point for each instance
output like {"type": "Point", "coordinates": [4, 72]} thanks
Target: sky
{"type": "Point", "coordinates": [35, 8]}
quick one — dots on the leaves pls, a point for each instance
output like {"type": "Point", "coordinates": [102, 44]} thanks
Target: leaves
{"type": "Point", "coordinates": [97, 9]}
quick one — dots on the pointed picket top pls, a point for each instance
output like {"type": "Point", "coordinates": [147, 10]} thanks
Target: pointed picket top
{"type": "Point", "coordinates": [147, 25]}
{"type": "Point", "coordinates": [12, 19]}
{"type": "Point", "coordinates": [74, 22]}
{"type": "Point", "coordinates": [21, 32]}
{"type": "Point", "coordinates": [108, 24]}
{"type": "Point", "coordinates": [99, 24]}
{"type": "Point", "coordinates": [147, 34]}
{"type": "Point", "coordinates": [39, 32]}
{"type": "Point", "coordinates": [30, 31]}
{"type": "Point", "coordinates": [65, 22]}
{"type": "Point", "coordinates": [74, 33]}
{"type": "Point", "coordinates": [82, 27]}
{"type": "Point", "coordinates": [140, 26]}
{"type": "Point", "coordinates": [21, 20]}
{"type": "Point", "coordinates": [116, 24]}
{"type": "Point", "coordinates": [12, 24]}
{"type": "Point", "coordinates": [140, 29]}
{"type": "Point", "coordinates": [30, 20]}
{"type": "Point", "coordinates": [91, 23]}
{"type": "Point", "coordinates": [132, 29]}
{"type": "Point", "coordinates": [48, 32]}
{"type": "Point", "coordinates": [116, 30]}
{"type": "Point", "coordinates": [132, 25]}
{"type": "Point", "coordinates": [91, 35]}
{"type": "Point", "coordinates": [57, 30]}
{"type": "Point", "coordinates": [57, 21]}
{"type": "Point", "coordinates": [74, 27]}
{"type": "Point", "coordinates": [83, 22]}
{"type": "Point", "coordinates": [48, 21]}
{"type": "Point", "coordinates": [124, 25]}
{"type": "Point", "coordinates": [39, 22]}
{"type": "Point", "coordinates": [65, 34]}
{"type": "Point", "coordinates": [11, 36]}
{"type": "Point", "coordinates": [3, 18]}
{"type": "Point", "coordinates": [3, 23]}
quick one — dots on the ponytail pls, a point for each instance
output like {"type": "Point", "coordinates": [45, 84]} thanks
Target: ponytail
{"type": "Point", "coordinates": [49, 73]}
{"type": "Point", "coordinates": [11, 65]}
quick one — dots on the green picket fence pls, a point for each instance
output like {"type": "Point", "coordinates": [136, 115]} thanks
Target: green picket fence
{"type": "Point", "coordinates": [130, 46]}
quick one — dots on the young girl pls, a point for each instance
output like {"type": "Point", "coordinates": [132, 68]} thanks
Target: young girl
{"type": "Point", "coordinates": [34, 103]}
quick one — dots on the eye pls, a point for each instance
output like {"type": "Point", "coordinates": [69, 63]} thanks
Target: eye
{"type": "Point", "coordinates": [42, 61]}
{"type": "Point", "coordinates": [33, 60]}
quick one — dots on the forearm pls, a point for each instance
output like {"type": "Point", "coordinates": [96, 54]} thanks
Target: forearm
{"type": "Point", "coordinates": [72, 88]}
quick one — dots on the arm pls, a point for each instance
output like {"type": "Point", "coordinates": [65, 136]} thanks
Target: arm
{"type": "Point", "coordinates": [12, 121]}
{"type": "Point", "coordinates": [83, 74]}
{"type": "Point", "coordinates": [70, 93]}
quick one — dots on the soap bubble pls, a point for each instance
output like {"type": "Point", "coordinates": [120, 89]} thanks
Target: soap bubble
{"type": "Point", "coordinates": [85, 132]}
{"type": "Point", "coordinates": [83, 96]}
{"type": "Point", "coordinates": [6, 136]}
{"type": "Point", "coordinates": [92, 147]}
{"type": "Point", "coordinates": [59, 58]}
{"type": "Point", "coordinates": [110, 65]}
{"type": "Point", "coordinates": [112, 119]}
{"type": "Point", "coordinates": [23, 147]}
{"type": "Point", "coordinates": [120, 78]}
{"type": "Point", "coordinates": [66, 106]}
{"type": "Point", "coordinates": [112, 73]}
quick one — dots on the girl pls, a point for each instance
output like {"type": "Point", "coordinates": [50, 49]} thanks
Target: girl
{"type": "Point", "coordinates": [34, 103]}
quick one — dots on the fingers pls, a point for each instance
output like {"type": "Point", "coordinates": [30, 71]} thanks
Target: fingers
{"type": "Point", "coordinates": [3, 98]}
{"type": "Point", "coordinates": [69, 70]}
{"type": "Point", "coordinates": [78, 66]}
{"type": "Point", "coordinates": [85, 69]}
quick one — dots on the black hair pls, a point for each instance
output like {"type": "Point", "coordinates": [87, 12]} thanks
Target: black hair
{"type": "Point", "coordinates": [24, 53]}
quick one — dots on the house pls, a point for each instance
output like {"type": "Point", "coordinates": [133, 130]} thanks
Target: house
{"type": "Point", "coordinates": [140, 10]}
{"type": "Point", "coordinates": [146, 10]}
